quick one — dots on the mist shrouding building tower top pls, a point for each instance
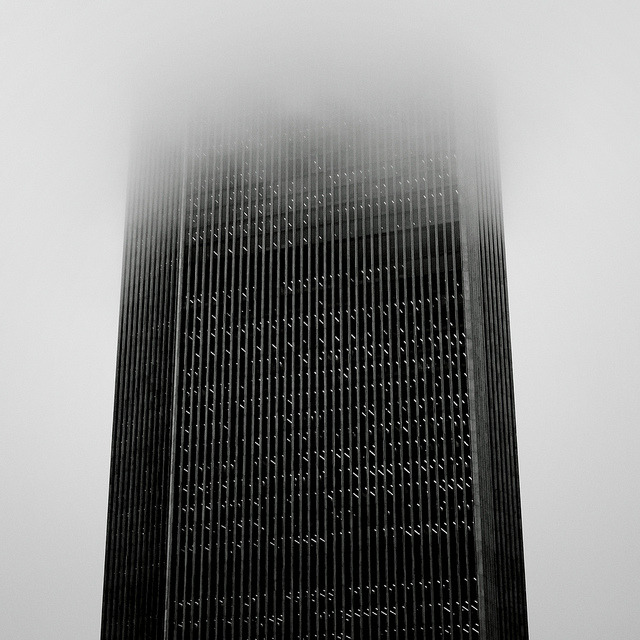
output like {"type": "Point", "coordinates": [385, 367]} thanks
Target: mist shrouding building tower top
{"type": "Point", "coordinates": [314, 427]}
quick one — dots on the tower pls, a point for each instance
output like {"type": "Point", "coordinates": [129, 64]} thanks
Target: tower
{"type": "Point", "coordinates": [314, 429]}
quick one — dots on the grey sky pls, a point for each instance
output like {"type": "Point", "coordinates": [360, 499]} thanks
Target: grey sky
{"type": "Point", "coordinates": [568, 91]}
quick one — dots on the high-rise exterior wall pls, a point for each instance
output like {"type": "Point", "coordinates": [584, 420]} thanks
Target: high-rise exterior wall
{"type": "Point", "coordinates": [314, 433]}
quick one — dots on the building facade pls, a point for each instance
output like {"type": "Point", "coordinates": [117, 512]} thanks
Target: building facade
{"type": "Point", "coordinates": [314, 427]}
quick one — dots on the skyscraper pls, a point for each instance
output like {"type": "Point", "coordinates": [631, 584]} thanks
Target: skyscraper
{"type": "Point", "coordinates": [314, 428]}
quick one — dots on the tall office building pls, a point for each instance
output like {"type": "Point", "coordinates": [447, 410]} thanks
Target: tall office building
{"type": "Point", "coordinates": [314, 427]}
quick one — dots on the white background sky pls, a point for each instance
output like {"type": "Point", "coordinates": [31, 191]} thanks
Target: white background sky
{"type": "Point", "coordinates": [568, 92]}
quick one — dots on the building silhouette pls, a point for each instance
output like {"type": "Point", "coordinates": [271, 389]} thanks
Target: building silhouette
{"type": "Point", "coordinates": [314, 425]}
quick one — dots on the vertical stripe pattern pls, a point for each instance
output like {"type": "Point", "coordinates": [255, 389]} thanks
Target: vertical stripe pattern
{"type": "Point", "coordinates": [313, 467]}
{"type": "Point", "coordinates": [137, 524]}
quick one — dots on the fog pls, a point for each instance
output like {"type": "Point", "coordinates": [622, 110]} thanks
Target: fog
{"type": "Point", "coordinates": [566, 81]}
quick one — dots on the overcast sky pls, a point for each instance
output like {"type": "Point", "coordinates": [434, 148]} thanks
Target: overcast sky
{"type": "Point", "coordinates": [567, 77]}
